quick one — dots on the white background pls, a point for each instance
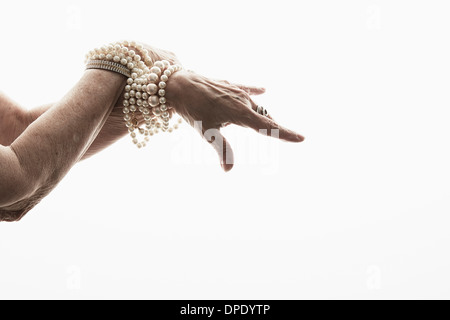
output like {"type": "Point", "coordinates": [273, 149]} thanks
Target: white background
{"type": "Point", "coordinates": [359, 210]}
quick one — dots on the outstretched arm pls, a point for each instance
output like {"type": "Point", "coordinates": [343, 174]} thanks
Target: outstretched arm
{"type": "Point", "coordinates": [43, 154]}
{"type": "Point", "coordinates": [37, 160]}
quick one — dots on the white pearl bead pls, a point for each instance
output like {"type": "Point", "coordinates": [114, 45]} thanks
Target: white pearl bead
{"type": "Point", "coordinates": [116, 58]}
{"type": "Point", "coordinates": [124, 62]}
{"type": "Point", "coordinates": [162, 84]}
{"type": "Point", "coordinates": [134, 76]}
{"type": "Point", "coordinates": [153, 101]}
{"type": "Point", "coordinates": [132, 101]}
{"type": "Point", "coordinates": [180, 120]}
{"type": "Point", "coordinates": [166, 63]}
{"type": "Point", "coordinates": [164, 78]}
{"type": "Point", "coordinates": [137, 58]}
{"type": "Point", "coordinates": [162, 92]}
{"type": "Point", "coordinates": [163, 107]}
{"type": "Point", "coordinates": [145, 96]}
{"type": "Point", "coordinates": [175, 126]}
{"type": "Point", "coordinates": [170, 129]}
{"type": "Point", "coordinates": [127, 117]}
{"type": "Point", "coordinates": [159, 64]}
{"type": "Point", "coordinates": [139, 87]}
{"type": "Point", "coordinates": [162, 100]}
{"type": "Point", "coordinates": [139, 102]}
{"type": "Point", "coordinates": [152, 88]}
{"type": "Point", "coordinates": [133, 135]}
{"type": "Point", "coordinates": [127, 95]}
{"type": "Point", "coordinates": [134, 86]}
{"type": "Point", "coordinates": [146, 111]}
{"type": "Point", "coordinates": [167, 73]}
{"type": "Point", "coordinates": [130, 81]}
{"type": "Point", "coordinates": [109, 57]}
{"type": "Point", "coordinates": [138, 95]}
{"type": "Point", "coordinates": [130, 65]}
{"type": "Point", "coordinates": [153, 77]}
{"type": "Point", "coordinates": [133, 108]}
{"type": "Point", "coordinates": [127, 88]}
{"type": "Point", "coordinates": [156, 70]}
{"type": "Point", "coordinates": [102, 56]}
{"type": "Point", "coordinates": [147, 138]}
{"type": "Point", "coordinates": [132, 93]}
{"type": "Point", "coordinates": [156, 111]}
{"type": "Point", "coordinates": [131, 129]}
{"type": "Point", "coordinates": [126, 110]}
{"type": "Point", "coordinates": [147, 118]}
{"type": "Point", "coordinates": [131, 53]}
{"type": "Point", "coordinates": [165, 114]}
{"type": "Point", "coordinates": [135, 141]}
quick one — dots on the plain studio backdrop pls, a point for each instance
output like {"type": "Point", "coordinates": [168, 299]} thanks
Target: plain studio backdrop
{"type": "Point", "coordinates": [359, 210]}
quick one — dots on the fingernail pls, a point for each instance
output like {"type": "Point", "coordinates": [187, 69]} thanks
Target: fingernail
{"type": "Point", "coordinates": [300, 138]}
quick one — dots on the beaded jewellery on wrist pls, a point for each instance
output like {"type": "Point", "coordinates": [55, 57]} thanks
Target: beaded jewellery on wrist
{"type": "Point", "coordinates": [145, 91]}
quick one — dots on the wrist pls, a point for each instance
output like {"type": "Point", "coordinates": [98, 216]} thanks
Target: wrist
{"type": "Point", "coordinates": [176, 86]}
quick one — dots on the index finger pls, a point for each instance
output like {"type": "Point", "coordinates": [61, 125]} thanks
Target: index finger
{"type": "Point", "coordinates": [258, 123]}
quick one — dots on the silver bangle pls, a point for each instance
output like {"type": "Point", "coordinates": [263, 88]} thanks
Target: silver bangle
{"type": "Point", "coordinates": [110, 66]}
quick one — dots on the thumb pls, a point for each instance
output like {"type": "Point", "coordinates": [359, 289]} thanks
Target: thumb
{"type": "Point", "coordinates": [222, 147]}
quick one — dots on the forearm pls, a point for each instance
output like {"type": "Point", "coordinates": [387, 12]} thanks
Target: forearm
{"type": "Point", "coordinates": [112, 130]}
{"type": "Point", "coordinates": [114, 127]}
{"type": "Point", "coordinates": [58, 139]}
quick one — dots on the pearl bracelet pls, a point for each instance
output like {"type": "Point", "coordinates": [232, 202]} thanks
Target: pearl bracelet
{"type": "Point", "coordinates": [145, 90]}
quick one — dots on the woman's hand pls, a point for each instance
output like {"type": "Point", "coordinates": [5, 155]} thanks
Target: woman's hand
{"type": "Point", "coordinates": [216, 104]}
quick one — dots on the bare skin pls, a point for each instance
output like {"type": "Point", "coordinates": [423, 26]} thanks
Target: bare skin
{"type": "Point", "coordinates": [38, 148]}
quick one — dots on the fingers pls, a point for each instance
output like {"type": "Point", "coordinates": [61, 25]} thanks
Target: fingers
{"type": "Point", "coordinates": [252, 90]}
{"type": "Point", "coordinates": [222, 147]}
{"type": "Point", "coordinates": [255, 108]}
{"type": "Point", "coordinates": [268, 126]}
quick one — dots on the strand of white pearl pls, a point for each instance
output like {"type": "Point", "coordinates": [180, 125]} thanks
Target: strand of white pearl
{"type": "Point", "coordinates": [135, 97]}
{"type": "Point", "coordinates": [120, 53]}
{"type": "Point", "coordinates": [159, 75]}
